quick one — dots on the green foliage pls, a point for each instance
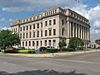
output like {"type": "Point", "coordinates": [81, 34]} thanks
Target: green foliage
{"type": "Point", "coordinates": [26, 51]}
{"type": "Point", "coordinates": [10, 51]}
{"type": "Point", "coordinates": [75, 43]}
{"type": "Point", "coordinates": [51, 50]}
{"type": "Point", "coordinates": [62, 44]}
{"type": "Point", "coordinates": [18, 51]}
{"type": "Point", "coordinates": [68, 49]}
{"type": "Point", "coordinates": [8, 38]}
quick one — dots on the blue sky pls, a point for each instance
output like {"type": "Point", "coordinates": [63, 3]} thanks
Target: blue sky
{"type": "Point", "coordinates": [18, 9]}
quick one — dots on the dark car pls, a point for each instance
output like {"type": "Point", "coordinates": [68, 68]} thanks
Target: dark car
{"type": "Point", "coordinates": [42, 48]}
{"type": "Point", "coordinates": [21, 48]}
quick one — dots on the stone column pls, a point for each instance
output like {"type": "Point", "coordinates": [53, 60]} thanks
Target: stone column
{"type": "Point", "coordinates": [68, 29]}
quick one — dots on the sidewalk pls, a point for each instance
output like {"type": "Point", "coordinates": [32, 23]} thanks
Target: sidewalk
{"type": "Point", "coordinates": [53, 54]}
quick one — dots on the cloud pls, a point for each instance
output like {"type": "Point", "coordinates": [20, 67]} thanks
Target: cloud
{"type": "Point", "coordinates": [29, 5]}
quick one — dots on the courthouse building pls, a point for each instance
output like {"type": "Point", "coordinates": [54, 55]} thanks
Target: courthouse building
{"type": "Point", "coordinates": [50, 27]}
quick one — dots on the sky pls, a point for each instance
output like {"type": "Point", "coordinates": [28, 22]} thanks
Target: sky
{"type": "Point", "coordinates": [11, 10]}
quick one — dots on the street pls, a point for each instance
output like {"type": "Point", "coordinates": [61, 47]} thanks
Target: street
{"type": "Point", "coordinates": [85, 64]}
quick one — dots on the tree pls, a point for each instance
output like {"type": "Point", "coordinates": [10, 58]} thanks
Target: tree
{"type": "Point", "coordinates": [8, 38]}
{"type": "Point", "coordinates": [75, 43]}
{"type": "Point", "coordinates": [62, 44]}
{"type": "Point", "coordinates": [97, 41]}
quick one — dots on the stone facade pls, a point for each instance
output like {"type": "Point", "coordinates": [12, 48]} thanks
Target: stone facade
{"type": "Point", "coordinates": [48, 28]}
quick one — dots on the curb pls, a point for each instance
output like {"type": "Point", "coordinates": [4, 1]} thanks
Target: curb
{"type": "Point", "coordinates": [50, 55]}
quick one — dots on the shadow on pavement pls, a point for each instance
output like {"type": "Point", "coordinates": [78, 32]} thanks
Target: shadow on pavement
{"type": "Point", "coordinates": [39, 72]}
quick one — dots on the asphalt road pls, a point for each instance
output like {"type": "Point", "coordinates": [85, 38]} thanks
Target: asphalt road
{"type": "Point", "coordinates": [85, 64]}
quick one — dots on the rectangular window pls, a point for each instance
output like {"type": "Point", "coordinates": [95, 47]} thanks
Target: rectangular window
{"type": "Point", "coordinates": [49, 32]}
{"type": "Point", "coordinates": [37, 43]}
{"type": "Point", "coordinates": [30, 34]}
{"type": "Point", "coordinates": [33, 26]}
{"type": "Point", "coordinates": [29, 43]}
{"type": "Point", "coordinates": [54, 31]}
{"type": "Point", "coordinates": [54, 21]}
{"type": "Point", "coordinates": [45, 23]}
{"type": "Point", "coordinates": [63, 30]}
{"type": "Point", "coordinates": [23, 35]}
{"type": "Point", "coordinates": [26, 27]}
{"type": "Point", "coordinates": [20, 28]}
{"type": "Point", "coordinates": [33, 43]}
{"type": "Point", "coordinates": [45, 32]}
{"type": "Point", "coordinates": [26, 43]}
{"type": "Point", "coordinates": [49, 42]}
{"type": "Point", "coordinates": [37, 25]}
{"type": "Point", "coordinates": [41, 43]}
{"type": "Point", "coordinates": [23, 28]}
{"type": "Point", "coordinates": [33, 33]}
{"type": "Point", "coordinates": [30, 27]}
{"type": "Point", "coordinates": [41, 33]}
{"type": "Point", "coordinates": [49, 22]}
{"type": "Point", "coordinates": [45, 42]}
{"type": "Point", "coordinates": [62, 22]}
{"type": "Point", "coordinates": [54, 43]}
{"type": "Point", "coordinates": [37, 33]}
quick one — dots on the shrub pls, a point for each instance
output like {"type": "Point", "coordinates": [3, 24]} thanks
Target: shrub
{"type": "Point", "coordinates": [51, 50]}
{"type": "Point", "coordinates": [2, 51]}
{"type": "Point", "coordinates": [68, 49]}
{"type": "Point", "coordinates": [26, 51]}
{"type": "Point", "coordinates": [10, 51]}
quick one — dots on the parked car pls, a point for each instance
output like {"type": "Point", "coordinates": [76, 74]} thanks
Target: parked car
{"type": "Point", "coordinates": [10, 48]}
{"type": "Point", "coordinates": [50, 47]}
{"type": "Point", "coordinates": [42, 48]}
{"type": "Point", "coordinates": [21, 48]}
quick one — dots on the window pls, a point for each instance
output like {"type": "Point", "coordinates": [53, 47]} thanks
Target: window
{"type": "Point", "coordinates": [23, 28]}
{"type": "Point", "coordinates": [26, 35]}
{"type": "Point", "coordinates": [30, 27]}
{"type": "Point", "coordinates": [63, 31]}
{"type": "Point", "coordinates": [29, 43]}
{"type": "Point", "coordinates": [26, 43]}
{"type": "Point", "coordinates": [20, 28]}
{"type": "Point", "coordinates": [26, 27]}
{"type": "Point", "coordinates": [41, 43]}
{"type": "Point", "coordinates": [45, 42]}
{"type": "Point", "coordinates": [33, 26]}
{"type": "Point", "coordinates": [37, 25]}
{"type": "Point", "coordinates": [45, 23]}
{"type": "Point", "coordinates": [49, 42]}
{"type": "Point", "coordinates": [54, 31]}
{"type": "Point", "coordinates": [54, 21]}
{"type": "Point", "coordinates": [20, 35]}
{"type": "Point", "coordinates": [41, 33]}
{"type": "Point", "coordinates": [45, 32]}
{"type": "Point", "coordinates": [49, 22]}
{"type": "Point", "coordinates": [49, 32]}
{"type": "Point", "coordinates": [37, 43]}
{"type": "Point", "coordinates": [62, 22]}
{"type": "Point", "coordinates": [54, 43]}
{"type": "Point", "coordinates": [37, 33]}
{"type": "Point", "coordinates": [30, 34]}
{"type": "Point", "coordinates": [33, 33]}
{"type": "Point", "coordinates": [33, 43]}
{"type": "Point", "coordinates": [23, 35]}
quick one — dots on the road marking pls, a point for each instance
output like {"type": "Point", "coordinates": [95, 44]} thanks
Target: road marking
{"type": "Point", "coordinates": [79, 61]}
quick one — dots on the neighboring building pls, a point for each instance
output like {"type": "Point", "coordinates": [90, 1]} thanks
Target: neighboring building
{"type": "Point", "coordinates": [48, 28]}
{"type": "Point", "coordinates": [93, 44]}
